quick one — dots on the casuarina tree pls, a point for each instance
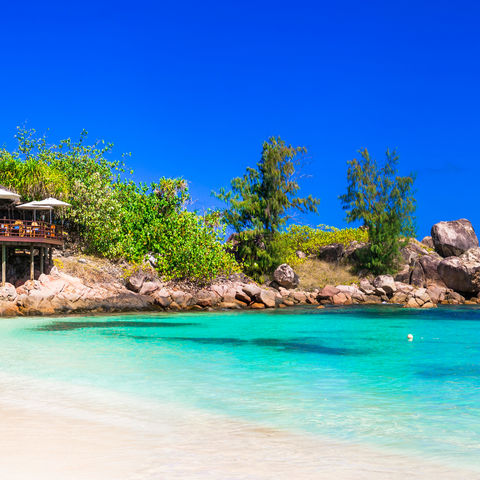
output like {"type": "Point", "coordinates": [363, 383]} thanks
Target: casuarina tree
{"type": "Point", "coordinates": [385, 203]}
{"type": "Point", "coordinates": [260, 203]}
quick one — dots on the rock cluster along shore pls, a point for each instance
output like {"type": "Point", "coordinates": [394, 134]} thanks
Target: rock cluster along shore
{"type": "Point", "coordinates": [442, 269]}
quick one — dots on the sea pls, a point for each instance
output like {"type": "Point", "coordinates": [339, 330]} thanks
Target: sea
{"type": "Point", "coordinates": [349, 374]}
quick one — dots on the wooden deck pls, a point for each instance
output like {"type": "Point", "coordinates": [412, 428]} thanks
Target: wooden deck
{"type": "Point", "coordinates": [24, 233]}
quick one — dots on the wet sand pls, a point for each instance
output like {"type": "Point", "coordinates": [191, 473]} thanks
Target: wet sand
{"type": "Point", "coordinates": [109, 440]}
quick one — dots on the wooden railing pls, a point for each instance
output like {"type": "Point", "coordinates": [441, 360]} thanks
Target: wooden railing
{"type": "Point", "coordinates": [26, 229]}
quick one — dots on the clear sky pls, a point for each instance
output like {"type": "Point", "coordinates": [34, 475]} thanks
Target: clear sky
{"type": "Point", "coordinates": [193, 88]}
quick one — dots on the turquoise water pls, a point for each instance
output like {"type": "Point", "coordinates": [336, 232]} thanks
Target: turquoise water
{"type": "Point", "coordinates": [346, 373]}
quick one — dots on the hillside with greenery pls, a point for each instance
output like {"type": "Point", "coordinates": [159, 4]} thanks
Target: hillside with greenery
{"type": "Point", "coordinates": [112, 216]}
{"type": "Point", "coordinates": [116, 218]}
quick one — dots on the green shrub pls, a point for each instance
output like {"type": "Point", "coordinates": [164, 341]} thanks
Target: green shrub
{"type": "Point", "coordinates": [309, 240]}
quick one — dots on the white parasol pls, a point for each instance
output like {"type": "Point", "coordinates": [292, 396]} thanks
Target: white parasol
{"type": "Point", "coordinates": [8, 195]}
{"type": "Point", "coordinates": [52, 203]}
{"type": "Point", "coordinates": [36, 206]}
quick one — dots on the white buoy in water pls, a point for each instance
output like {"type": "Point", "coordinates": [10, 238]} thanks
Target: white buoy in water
{"type": "Point", "coordinates": [410, 337]}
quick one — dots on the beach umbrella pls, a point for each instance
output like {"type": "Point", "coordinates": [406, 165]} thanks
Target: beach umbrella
{"type": "Point", "coordinates": [8, 195]}
{"type": "Point", "coordinates": [36, 206]}
{"type": "Point", "coordinates": [52, 202]}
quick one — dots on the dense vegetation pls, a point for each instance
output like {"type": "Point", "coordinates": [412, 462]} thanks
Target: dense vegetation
{"type": "Point", "coordinates": [112, 216]}
{"type": "Point", "coordinates": [384, 202]}
{"type": "Point", "coordinates": [310, 240]}
{"type": "Point", "coordinates": [259, 203]}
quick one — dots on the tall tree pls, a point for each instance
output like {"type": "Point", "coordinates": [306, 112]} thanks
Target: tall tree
{"type": "Point", "coordinates": [259, 203]}
{"type": "Point", "coordinates": [385, 203]}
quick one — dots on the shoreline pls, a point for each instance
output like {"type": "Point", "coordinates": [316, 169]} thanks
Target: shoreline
{"type": "Point", "coordinates": [216, 309]}
{"type": "Point", "coordinates": [103, 437]}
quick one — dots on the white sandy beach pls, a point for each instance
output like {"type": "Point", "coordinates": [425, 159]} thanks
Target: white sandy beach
{"type": "Point", "coordinates": [52, 435]}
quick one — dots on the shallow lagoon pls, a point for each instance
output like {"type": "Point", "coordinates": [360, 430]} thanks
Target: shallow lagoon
{"type": "Point", "coordinates": [344, 373]}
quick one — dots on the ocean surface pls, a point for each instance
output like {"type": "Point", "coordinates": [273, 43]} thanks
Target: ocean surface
{"type": "Point", "coordinates": [348, 374]}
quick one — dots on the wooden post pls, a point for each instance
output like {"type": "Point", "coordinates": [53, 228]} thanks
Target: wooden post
{"type": "Point", "coordinates": [42, 260]}
{"type": "Point", "coordinates": [4, 265]}
{"type": "Point", "coordinates": [32, 264]}
{"type": "Point", "coordinates": [50, 253]}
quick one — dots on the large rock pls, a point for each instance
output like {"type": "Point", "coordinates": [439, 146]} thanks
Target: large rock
{"type": "Point", "coordinates": [404, 274]}
{"type": "Point", "coordinates": [366, 287]}
{"type": "Point", "coordinates": [285, 276]}
{"type": "Point", "coordinates": [241, 296]}
{"type": "Point", "coordinates": [385, 282]}
{"type": "Point", "coordinates": [149, 287]}
{"type": "Point", "coordinates": [419, 298]}
{"type": "Point", "coordinates": [331, 253]}
{"type": "Point", "coordinates": [429, 264]}
{"type": "Point", "coordinates": [162, 297]}
{"type": "Point", "coordinates": [372, 300]}
{"type": "Point", "coordinates": [417, 275]}
{"type": "Point", "coordinates": [8, 309]}
{"type": "Point", "coordinates": [327, 293]}
{"type": "Point", "coordinates": [461, 274]}
{"type": "Point", "coordinates": [266, 297]}
{"type": "Point", "coordinates": [412, 251]}
{"type": "Point", "coordinates": [299, 297]}
{"type": "Point", "coordinates": [399, 297]}
{"type": "Point", "coordinates": [404, 287]}
{"type": "Point", "coordinates": [453, 298]}
{"type": "Point", "coordinates": [8, 293]}
{"type": "Point", "coordinates": [182, 299]}
{"type": "Point", "coordinates": [135, 282]}
{"type": "Point", "coordinates": [428, 242]}
{"type": "Point", "coordinates": [207, 298]}
{"type": "Point", "coordinates": [355, 251]}
{"type": "Point", "coordinates": [436, 293]}
{"type": "Point", "coordinates": [471, 255]}
{"type": "Point", "coordinates": [453, 238]}
{"type": "Point", "coordinates": [351, 290]}
{"type": "Point", "coordinates": [342, 299]}
{"type": "Point", "coordinates": [251, 290]}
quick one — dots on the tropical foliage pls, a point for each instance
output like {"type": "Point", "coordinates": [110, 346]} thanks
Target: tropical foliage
{"type": "Point", "coordinates": [384, 202]}
{"type": "Point", "coordinates": [111, 215]}
{"type": "Point", "coordinates": [310, 240]}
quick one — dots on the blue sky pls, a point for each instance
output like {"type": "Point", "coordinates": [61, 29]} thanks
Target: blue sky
{"type": "Point", "coordinates": [192, 89]}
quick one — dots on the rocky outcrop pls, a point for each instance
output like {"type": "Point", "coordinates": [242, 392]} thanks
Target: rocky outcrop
{"type": "Point", "coordinates": [412, 252]}
{"type": "Point", "coordinates": [462, 274]}
{"type": "Point", "coordinates": [453, 238]}
{"type": "Point", "coordinates": [428, 242]}
{"type": "Point", "coordinates": [366, 287]}
{"type": "Point", "coordinates": [386, 283]}
{"type": "Point", "coordinates": [331, 253]}
{"type": "Point", "coordinates": [429, 264]}
{"type": "Point", "coordinates": [354, 251]}
{"type": "Point", "coordinates": [420, 266]}
{"type": "Point", "coordinates": [8, 293]}
{"type": "Point", "coordinates": [285, 276]}
{"type": "Point", "coordinates": [419, 298]}
{"type": "Point", "coordinates": [60, 293]}
{"type": "Point", "coordinates": [135, 281]}
{"type": "Point", "coordinates": [326, 294]}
